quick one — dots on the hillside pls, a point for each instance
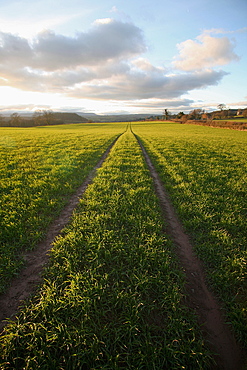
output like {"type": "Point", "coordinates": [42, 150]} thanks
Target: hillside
{"type": "Point", "coordinates": [116, 117]}
{"type": "Point", "coordinates": [70, 118]}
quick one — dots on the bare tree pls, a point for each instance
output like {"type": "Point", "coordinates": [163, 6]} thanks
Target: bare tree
{"type": "Point", "coordinates": [195, 114]}
{"type": "Point", "coordinates": [48, 117]}
{"type": "Point", "coordinates": [15, 120]}
{"type": "Point", "coordinates": [206, 116]}
{"type": "Point", "coordinates": [43, 117]}
{"type": "Point", "coordinates": [38, 119]}
{"type": "Point", "coordinates": [180, 115]}
{"type": "Point", "coordinates": [245, 112]}
{"type": "Point", "coordinates": [166, 114]}
{"type": "Point", "coordinates": [221, 106]}
{"type": "Point", "coordinates": [1, 120]}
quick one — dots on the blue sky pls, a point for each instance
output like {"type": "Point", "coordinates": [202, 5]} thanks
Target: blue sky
{"type": "Point", "coordinates": [123, 56]}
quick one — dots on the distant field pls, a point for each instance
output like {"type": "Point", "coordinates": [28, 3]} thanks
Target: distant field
{"type": "Point", "coordinates": [39, 169]}
{"type": "Point", "coordinates": [204, 170]}
{"type": "Point", "coordinates": [234, 119]}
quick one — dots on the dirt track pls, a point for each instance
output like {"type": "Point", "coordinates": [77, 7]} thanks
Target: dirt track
{"type": "Point", "coordinates": [199, 298]}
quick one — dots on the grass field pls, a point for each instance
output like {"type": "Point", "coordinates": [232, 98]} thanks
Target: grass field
{"type": "Point", "coordinates": [113, 292]}
{"type": "Point", "coordinates": [204, 170]}
{"type": "Point", "coordinates": [39, 169]}
{"type": "Point", "coordinates": [234, 119]}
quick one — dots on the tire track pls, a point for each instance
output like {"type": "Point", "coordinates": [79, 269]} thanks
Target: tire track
{"type": "Point", "coordinates": [29, 278]}
{"type": "Point", "coordinates": [228, 354]}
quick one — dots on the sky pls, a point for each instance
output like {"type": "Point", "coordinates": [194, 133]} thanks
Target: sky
{"type": "Point", "coordinates": [122, 56]}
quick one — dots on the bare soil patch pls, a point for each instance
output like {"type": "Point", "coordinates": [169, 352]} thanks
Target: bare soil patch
{"type": "Point", "coordinates": [228, 354]}
{"type": "Point", "coordinates": [30, 277]}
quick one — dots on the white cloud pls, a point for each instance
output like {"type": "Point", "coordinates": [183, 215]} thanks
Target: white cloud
{"type": "Point", "coordinates": [103, 21]}
{"type": "Point", "coordinates": [51, 52]}
{"type": "Point", "coordinates": [144, 65]}
{"type": "Point", "coordinates": [205, 52]}
{"type": "Point", "coordinates": [137, 84]}
{"type": "Point", "coordinates": [103, 63]}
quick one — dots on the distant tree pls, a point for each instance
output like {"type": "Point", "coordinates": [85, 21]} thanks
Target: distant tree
{"type": "Point", "coordinates": [37, 118]}
{"type": "Point", "coordinates": [223, 113]}
{"type": "Point", "coordinates": [180, 115]}
{"type": "Point", "coordinates": [221, 106]}
{"type": "Point", "coordinates": [184, 118]}
{"type": "Point", "coordinates": [206, 116]}
{"type": "Point", "coordinates": [49, 117]}
{"type": "Point", "coordinates": [245, 113]}
{"type": "Point", "coordinates": [195, 114]}
{"type": "Point", "coordinates": [44, 118]}
{"type": "Point", "coordinates": [166, 114]}
{"type": "Point", "coordinates": [1, 120]}
{"type": "Point", "coordinates": [15, 120]}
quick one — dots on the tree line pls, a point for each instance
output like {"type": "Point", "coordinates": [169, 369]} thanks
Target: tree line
{"type": "Point", "coordinates": [39, 118]}
{"type": "Point", "coordinates": [200, 114]}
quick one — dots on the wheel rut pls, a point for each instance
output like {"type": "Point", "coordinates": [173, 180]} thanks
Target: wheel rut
{"type": "Point", "coordinates": [228, 354]}
{"type": "Point", "coordinates": [27, 281]}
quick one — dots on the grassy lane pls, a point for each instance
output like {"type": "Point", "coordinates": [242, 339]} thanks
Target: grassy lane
{"type": "Point", "coordinates": [39, 169]}
{"type": "Point", "coordinates": [204, 170]}
{"type": "Point", "coordinates": [112, 293]}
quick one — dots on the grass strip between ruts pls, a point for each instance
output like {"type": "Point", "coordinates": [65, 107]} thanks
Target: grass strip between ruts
{"type": "Point", "coordinates": [112, 294]}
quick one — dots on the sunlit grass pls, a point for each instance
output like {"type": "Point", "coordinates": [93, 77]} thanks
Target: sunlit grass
{"type": "Point", "coordinates": [112, 296]}
{"type": "Point", "coordinates": [39, 170]}
{"type": "Point", "coordinates": [204, 170]}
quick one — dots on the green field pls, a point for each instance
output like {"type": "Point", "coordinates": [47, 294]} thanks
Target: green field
{"type": "Point", "coordinates": [113, 292]}
{"type": "Point", "coordinates": [236, 119]}
{"type": "Point", "coordinates": [112, 296]}
{"type": "Point", "coordinates": [39, 169]}
{"type": "Point", "coordinates": [204, 170]}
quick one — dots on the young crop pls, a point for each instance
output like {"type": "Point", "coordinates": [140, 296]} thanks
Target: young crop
{"type": "Point", "coordinates": [204, 170]}
{"type": "Point", "coordinates": [39, 169]}
{"type": "Point", "coordinates": [112, 294]}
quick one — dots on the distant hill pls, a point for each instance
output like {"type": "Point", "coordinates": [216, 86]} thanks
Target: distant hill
{"type": "Point", "coordinates": [70, 118]}
{"type": "Point", "coordinates": [44, 118]}
{"type": "Point", "coordinates": [78, 117]}
{"type": "Point", "coordinates": [116, 117]}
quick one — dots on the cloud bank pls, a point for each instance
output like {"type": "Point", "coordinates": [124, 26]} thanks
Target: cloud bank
{"type": "Point", "coordinates": [107, 63]}
{"type": "Point", "coordinates": [205, 52]}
